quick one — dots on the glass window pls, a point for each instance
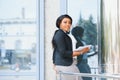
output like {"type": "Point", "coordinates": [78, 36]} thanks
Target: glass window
{"type": "Point", "coordinates": [85, 14]}
{"type": "Point", "coordinates": [110, 34]}
{"type": "Point", "coordinates": [19, 39]}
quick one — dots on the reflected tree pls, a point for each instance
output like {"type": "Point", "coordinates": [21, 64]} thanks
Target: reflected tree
{"type": "Point", "coordinates": [90, 33]}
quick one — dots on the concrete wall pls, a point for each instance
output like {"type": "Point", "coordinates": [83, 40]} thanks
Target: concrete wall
{"type": "Point", "coordinates": [52, 11]}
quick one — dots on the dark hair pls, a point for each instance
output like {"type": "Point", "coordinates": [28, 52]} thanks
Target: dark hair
{"type": "Point", "coordinates": [53, 42]}
{"type": "Point", "coordinates": [58, 22]}
{"type": "Point", "coordinates": [77, 31]}
{"type": "Point", "coordinates": [60, 18]}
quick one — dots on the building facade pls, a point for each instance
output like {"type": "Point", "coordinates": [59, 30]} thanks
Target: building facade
{"type": "Point", "coordinates": [26, 34]}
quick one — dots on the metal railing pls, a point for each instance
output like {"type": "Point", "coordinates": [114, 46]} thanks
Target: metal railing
{"type": "Point", "coordinates": [99, 76]}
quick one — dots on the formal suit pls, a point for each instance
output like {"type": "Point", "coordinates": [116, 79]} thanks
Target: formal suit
{"type": "Point", "coordinates": [62, 54]}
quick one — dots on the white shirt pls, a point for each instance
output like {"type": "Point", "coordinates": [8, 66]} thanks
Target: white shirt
{"type": "Point", "coordinates": [73, 43]}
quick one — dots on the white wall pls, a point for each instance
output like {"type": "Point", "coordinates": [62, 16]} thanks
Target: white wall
{"type": "Point", "coordinates": [52, 11]}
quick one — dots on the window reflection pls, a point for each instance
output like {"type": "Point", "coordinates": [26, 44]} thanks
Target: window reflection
{"type": "Point", "coordinates": [84, 14]}
{"type": "Point", "coordinates": [110, 46]}
{"type": "Point", "coordinates": [17, 45]}
{"type": "Point", "coordinates": [18, 78]}
{"type": "Point", "coordinates": [18, 36]}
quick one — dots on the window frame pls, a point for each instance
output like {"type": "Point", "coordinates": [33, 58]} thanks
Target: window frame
{"type": "Point", "coordinates": [41, 39]}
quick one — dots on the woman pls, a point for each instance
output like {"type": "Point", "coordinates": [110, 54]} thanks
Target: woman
{"type": "Point", "coordinates": [62, 44]}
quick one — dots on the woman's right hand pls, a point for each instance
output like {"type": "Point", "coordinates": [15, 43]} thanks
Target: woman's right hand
{"type": "Point", "coordinates": [80, 52]}
{"type": "Point", "coordinates": [84, 50]}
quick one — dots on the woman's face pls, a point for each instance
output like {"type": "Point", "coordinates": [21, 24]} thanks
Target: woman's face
{"type": "Point", "coordinates": [65, 24]}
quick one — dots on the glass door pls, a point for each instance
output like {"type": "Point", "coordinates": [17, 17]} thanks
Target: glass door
{"type": "Point", "coordinates": [18, 40]}
{"type": "Point", "coordinates": [85, 15]}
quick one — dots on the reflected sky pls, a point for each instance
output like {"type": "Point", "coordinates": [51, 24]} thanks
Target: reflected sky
{"type": "Point", "coordinates": [83, 7]}
{"type": "Point", "coordinates": [16, 11]}
{"type": "Point", "coordinates": [13, 9]}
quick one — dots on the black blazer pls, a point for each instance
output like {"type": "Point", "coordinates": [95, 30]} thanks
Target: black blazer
{"type": "Point", "coordinates": [62, 54]}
